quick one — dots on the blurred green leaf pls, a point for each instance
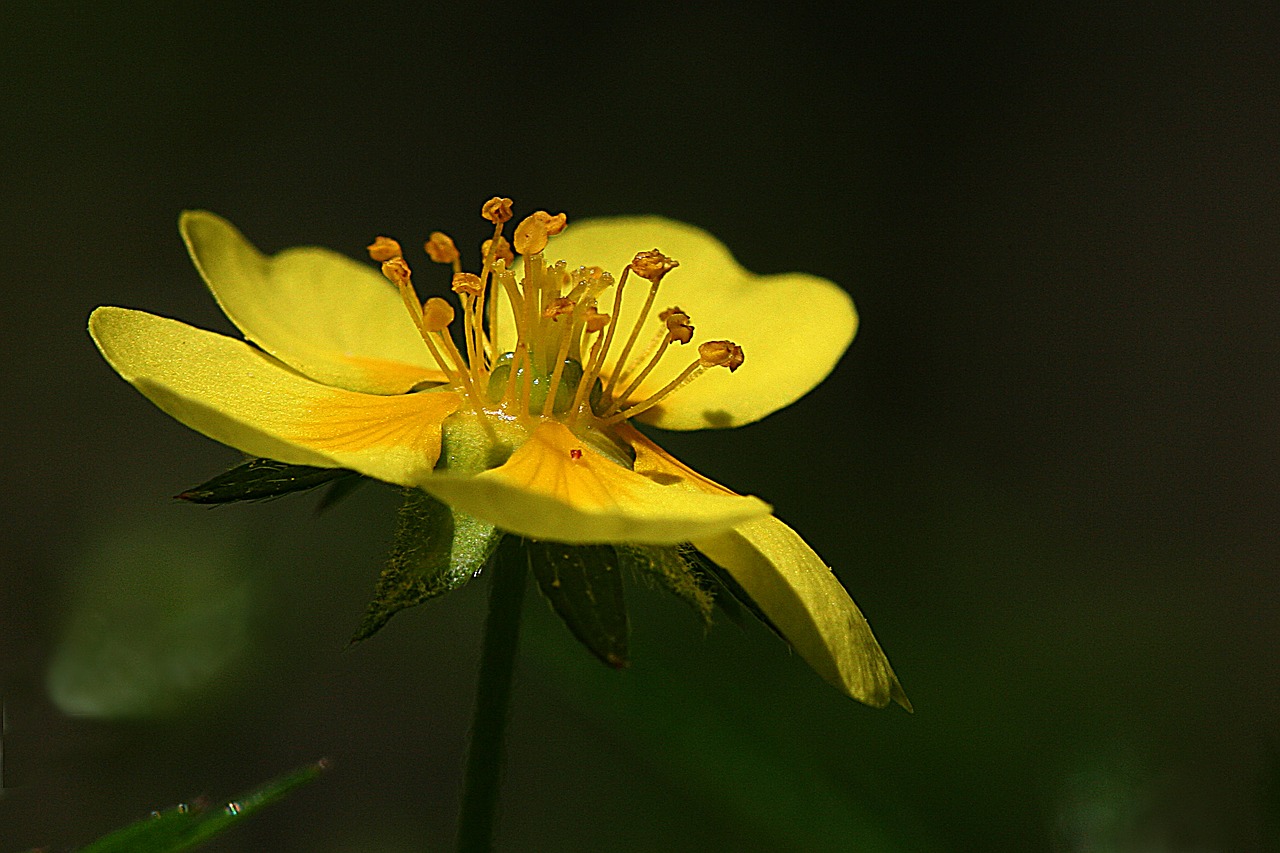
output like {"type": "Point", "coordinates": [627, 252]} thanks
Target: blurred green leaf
{"type": "Point", "coordinates": [436, 550]}
{"type": "Point", "coordinates": [259, 479]}
{"type": "Point", "coordinates": [584, 585]}
{"type": "Point", "coordinates": [184, 827]}
{"type": "Point", "coordinates": [157, 611]}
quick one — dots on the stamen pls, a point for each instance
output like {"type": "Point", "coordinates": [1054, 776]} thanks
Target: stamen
{"type": "Point", "coordinates": [651, 265]}
{"type": "Point", "coordinates": [469, 289]}
{"type": "Point", "coordinates": [495, 249]}
{"type": "Point", "coordinates": [678, 329]}
{"type": "Point", "coordinates": [397, 272]}
{"type": "Point", "coordinates": [711, 354]}
{"type": "Point", "coordinates": [559, 307]}
{"type": "Point", "coordinates": [593, 323]}
{"type": "Point", "coordinates": [659, 338]}
{"type": "Point", "coordinates": [599, 352]}
{"type": "Point", "coordinates": [436, 317]}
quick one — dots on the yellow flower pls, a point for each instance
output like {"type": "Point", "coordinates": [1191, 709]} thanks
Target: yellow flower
{"type": "Point", "coordinates": [523, 420]}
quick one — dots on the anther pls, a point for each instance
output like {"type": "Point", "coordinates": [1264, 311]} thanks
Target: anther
{"type": "Point", "coordinates": [653, 265]}
{"type": "Point", "coordinates": [468, 283]}
{"type": "Point", "coordinates": [384, 249]}
{"type": "Point", "coordinates": [501, 252]}
{"type": "Point", "coordinates": [436, 315]}
{"type": "Point", "coordinates": [721, 354]}
{"type": "Point", "coordinates": [497, 210]}
{"type": "Point", "coordinates": [559, 307]}
{"type": "Point", "coordinates": [441, 249]}
{"type": "Point", "coordinates": [397, 271]}
{"type": "Point", "coordinates": [531, 234]}
{"type": "Point", "coordinates": [594, 320]}
{"type": "Point", "coordinates": [678, 328]}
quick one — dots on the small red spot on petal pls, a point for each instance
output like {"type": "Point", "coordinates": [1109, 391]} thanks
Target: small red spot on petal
{"type": "Point", "coordinates": [576, 453]}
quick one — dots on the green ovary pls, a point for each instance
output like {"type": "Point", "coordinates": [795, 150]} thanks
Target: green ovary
{"type": "Point", "coordinates": [539, 383]}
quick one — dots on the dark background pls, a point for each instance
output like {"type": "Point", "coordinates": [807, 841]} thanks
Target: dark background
{"type": "Point", "coordinates": [1045, 469]}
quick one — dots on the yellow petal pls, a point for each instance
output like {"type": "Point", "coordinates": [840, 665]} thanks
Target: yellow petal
{"type": "Point", "coordinates": [793, 327]}
{"type": "Point", "coordinates": [555, 486]}
{"type": "Point", "coordinates": [800, 595]}
{"type": "Point", "coordinates": [794, 588]}
{"type": "Point", "coordinates": [242, 397]}
{"type": "Point", "coordinates": [338, 321]}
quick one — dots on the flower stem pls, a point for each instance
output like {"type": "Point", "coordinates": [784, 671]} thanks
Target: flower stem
{"type": "Point", "coordinates": [493, 694]}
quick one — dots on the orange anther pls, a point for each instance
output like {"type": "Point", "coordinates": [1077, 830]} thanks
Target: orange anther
{"type": "Point", "coordinates": [500, 253]}
{"type": "Point", "coordinates": [559, 307]}
{"type": "Point", "coordinates": [653, 265]}
{"type": "Point", "coordinates": [384, 249]}
{"type": "Point", "coordinates": [721, 354]}
{"type": "Point", "coordinates": [396, 270]}
{"type": "Point", "coordinates": [436, 315]}
{"type": "Point", "coordinates": [595, 321]}
{"type": "Point", "coordinates": [497, 209]}
{"type": "Point", "coordinates": [441, 248]}
{"type": "Point", "coordinates": [467, 282]}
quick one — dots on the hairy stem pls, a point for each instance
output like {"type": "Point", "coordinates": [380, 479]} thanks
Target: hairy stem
{"type": "Point", "coordinates": [485, 753]}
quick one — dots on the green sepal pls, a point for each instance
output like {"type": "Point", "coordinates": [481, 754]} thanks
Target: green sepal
{"type": "Point", "coordinates": [583, 583]}
{"type": "Point", "coordinates": [184, 827]}
{"type": "Point", "coordinates": [669, 567]}
{"type": "Point", "coordinates": [338, 491]}
{"type": "Point", "coordinates": [436, 550]}
{"type": "Point", "coordinates": [732, 598]}
{"type": "Point", "coordinates": [259, 479]}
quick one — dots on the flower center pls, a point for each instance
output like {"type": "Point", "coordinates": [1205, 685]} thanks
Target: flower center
{"type": "Point", "coordinates": [569, 361]}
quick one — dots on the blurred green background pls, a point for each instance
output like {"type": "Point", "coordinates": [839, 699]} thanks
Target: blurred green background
{"type": "Point", "coordinates": [1046, 469]}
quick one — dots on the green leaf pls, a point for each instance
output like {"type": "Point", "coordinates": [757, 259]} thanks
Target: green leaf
{"type": "Point", "coordinates": [259, 479]}
{"type": "Point", "coordinates": [584, 585]}
{"type": "Point", "coordinates": [668, 565]}
{"type": "Point", "coordinates": [184, 827]}
{"type": "Point", "coordinates": [436, 550]}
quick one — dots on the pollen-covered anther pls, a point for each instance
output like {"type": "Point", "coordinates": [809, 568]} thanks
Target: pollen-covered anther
{"type": "Point", "coordinates": [397, 270]}
{"type": "Point", "coordinates": [468, 283]}
{"type": "Point", "coordinates": [678, 328]}
{"type": "Point", "coordinates": [501, 252]}
{"type": "Point", "coordinates": [594, 321]}
{"type": "Point", "coordinates": [721, 354]}
{"type": "Point", "coordinates": [497, 210]}
{"type": "Point", "coordinates": [559, 307]}
{"type": "Point", "coordinates": [531, 234]}
{"type": "Point", "coordinates": [384, 249]}
{"type": "Point", "coordinates": [441, 248]}
{"type": "Point", "coordinates": [437, 314]}
{"type": "Point", "coordinates": [653, 265]}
